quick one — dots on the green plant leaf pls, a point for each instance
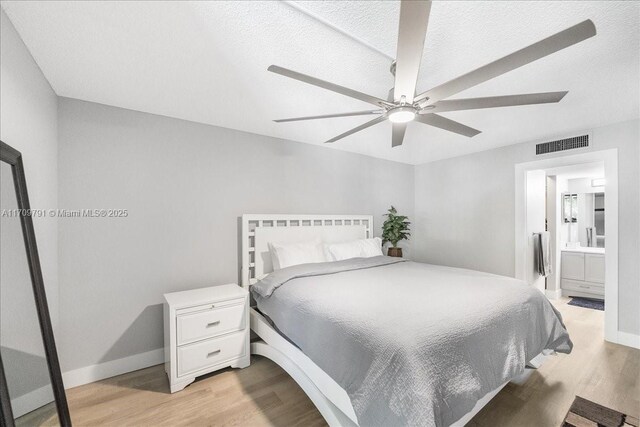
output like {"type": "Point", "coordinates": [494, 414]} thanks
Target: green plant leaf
{"type": "Point", "coordinates": [395, 227]}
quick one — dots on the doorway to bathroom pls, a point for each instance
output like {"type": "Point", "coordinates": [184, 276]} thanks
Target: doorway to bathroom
{"type": "Point", "coordinates": [575, 200]}
{"type": "Point", "coordinates": [575, 223]}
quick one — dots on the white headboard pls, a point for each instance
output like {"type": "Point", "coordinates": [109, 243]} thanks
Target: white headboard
{"type": "Point", "coordinates": [259, 230]}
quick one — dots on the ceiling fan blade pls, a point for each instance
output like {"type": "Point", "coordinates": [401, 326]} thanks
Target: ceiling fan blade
{"type": "Point", "coordinates": [446, 124]}
{"type": "Point", "coordinates": [554, 43]}
{"type": "Point", "coordinates": [326, 85]}
{"type": "Point", "coordinates": [414, 18]}
{"type": "Point", "coordinates": [359, 128]}
{"type": "Point", "coordinates": [398, 133]}
{"type": "Point", "coordinates": [497, 101]}
{"type": "Point", "coordinates": [390, 95]}
{"type": "Point", "coordinates": [329, 116]}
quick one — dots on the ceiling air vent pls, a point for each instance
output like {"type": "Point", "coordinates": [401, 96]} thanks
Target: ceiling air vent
{"type": "Point", "coordinates": [562, 144]}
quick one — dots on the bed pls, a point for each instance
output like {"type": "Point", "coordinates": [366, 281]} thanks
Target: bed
{"type": "Point", "coordinates": [382, 341]}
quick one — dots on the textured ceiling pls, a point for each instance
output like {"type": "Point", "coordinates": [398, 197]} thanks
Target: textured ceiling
{"type": "Point", "coordinates": [207, 61]}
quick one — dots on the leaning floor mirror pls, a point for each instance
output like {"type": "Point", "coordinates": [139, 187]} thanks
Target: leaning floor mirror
{"type": "Point", "coordinates": [31, 388]}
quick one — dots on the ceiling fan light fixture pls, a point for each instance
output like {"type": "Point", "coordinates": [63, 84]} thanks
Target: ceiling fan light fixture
{"type": "Point", "coordinates": [401, 114]}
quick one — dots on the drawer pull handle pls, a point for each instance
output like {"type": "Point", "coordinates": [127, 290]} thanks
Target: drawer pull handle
{"type": "Point", "coordinates": [213, 353]}
{"type": "Point", "coordinates": [216, 323]}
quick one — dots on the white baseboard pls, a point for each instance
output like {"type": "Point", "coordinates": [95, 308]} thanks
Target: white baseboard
{"type": "Point", "coordinates": [112, 368]}
{"type": "Point", "coordinates": [553, 293]}
{"type": "Point", "coordinates": [33, 400]}
{"type": "Point", "coordinates": [630, 340]}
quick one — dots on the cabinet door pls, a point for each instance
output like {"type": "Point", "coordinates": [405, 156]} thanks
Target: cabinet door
{"type": "Point", "coordinates": [573, 265]}
{"type": "Point", "coordinates": [594, 268]}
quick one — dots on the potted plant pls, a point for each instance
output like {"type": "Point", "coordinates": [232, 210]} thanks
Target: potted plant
{"type": "Point", "coordinates": [395, 229]}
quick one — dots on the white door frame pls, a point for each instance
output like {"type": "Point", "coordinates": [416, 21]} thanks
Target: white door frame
{"type": "Point", "coordinates": [610, 159]}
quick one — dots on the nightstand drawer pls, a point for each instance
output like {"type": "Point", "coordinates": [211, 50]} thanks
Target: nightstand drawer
{"type": "Point", "coordinates": [210, 323]}
{"type": "Point", "coordinates": [198, 356]}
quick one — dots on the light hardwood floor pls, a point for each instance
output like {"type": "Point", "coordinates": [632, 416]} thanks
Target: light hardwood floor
{"type": "Point", "coordinates": [264, 395]}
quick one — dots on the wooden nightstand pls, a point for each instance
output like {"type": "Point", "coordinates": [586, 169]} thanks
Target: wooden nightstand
{"type": "Point", "coordinates": [205, 330]}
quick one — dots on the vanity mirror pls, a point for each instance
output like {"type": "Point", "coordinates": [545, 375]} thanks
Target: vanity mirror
{"type": "Point", "coordinates": [570, 207]}
{"type": "Point", "coordinates": [30, 380]}
{"type": "Point", "coordinates": [583, 215]}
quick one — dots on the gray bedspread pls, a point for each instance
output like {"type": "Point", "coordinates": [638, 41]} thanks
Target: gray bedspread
{"type": "Point", "coordinates": [411, 343]}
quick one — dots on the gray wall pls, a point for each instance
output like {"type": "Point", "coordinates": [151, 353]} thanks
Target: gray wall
{"type": "Point", "coordinates": [465, 211]}
{"type": "Point", "coordinates": [29, 124]}
{"type": "Point", "coordinates": [184, 185]}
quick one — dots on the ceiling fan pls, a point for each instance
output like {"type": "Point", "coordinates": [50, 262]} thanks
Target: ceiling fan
{"type": "Point", "coordinates": [403, 105]}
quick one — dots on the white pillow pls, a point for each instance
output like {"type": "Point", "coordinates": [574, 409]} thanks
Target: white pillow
{"type": "Point", "coordinates": [286, 255]}
{"type": "Point", "coordinates": [364, 248]}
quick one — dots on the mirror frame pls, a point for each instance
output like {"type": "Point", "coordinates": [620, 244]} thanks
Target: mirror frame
{"type": "Point", "coordinates": [13, 157]}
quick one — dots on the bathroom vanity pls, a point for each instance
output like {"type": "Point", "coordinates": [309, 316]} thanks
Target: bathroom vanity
{"type": "Point", "coordinates": [583, 272]}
